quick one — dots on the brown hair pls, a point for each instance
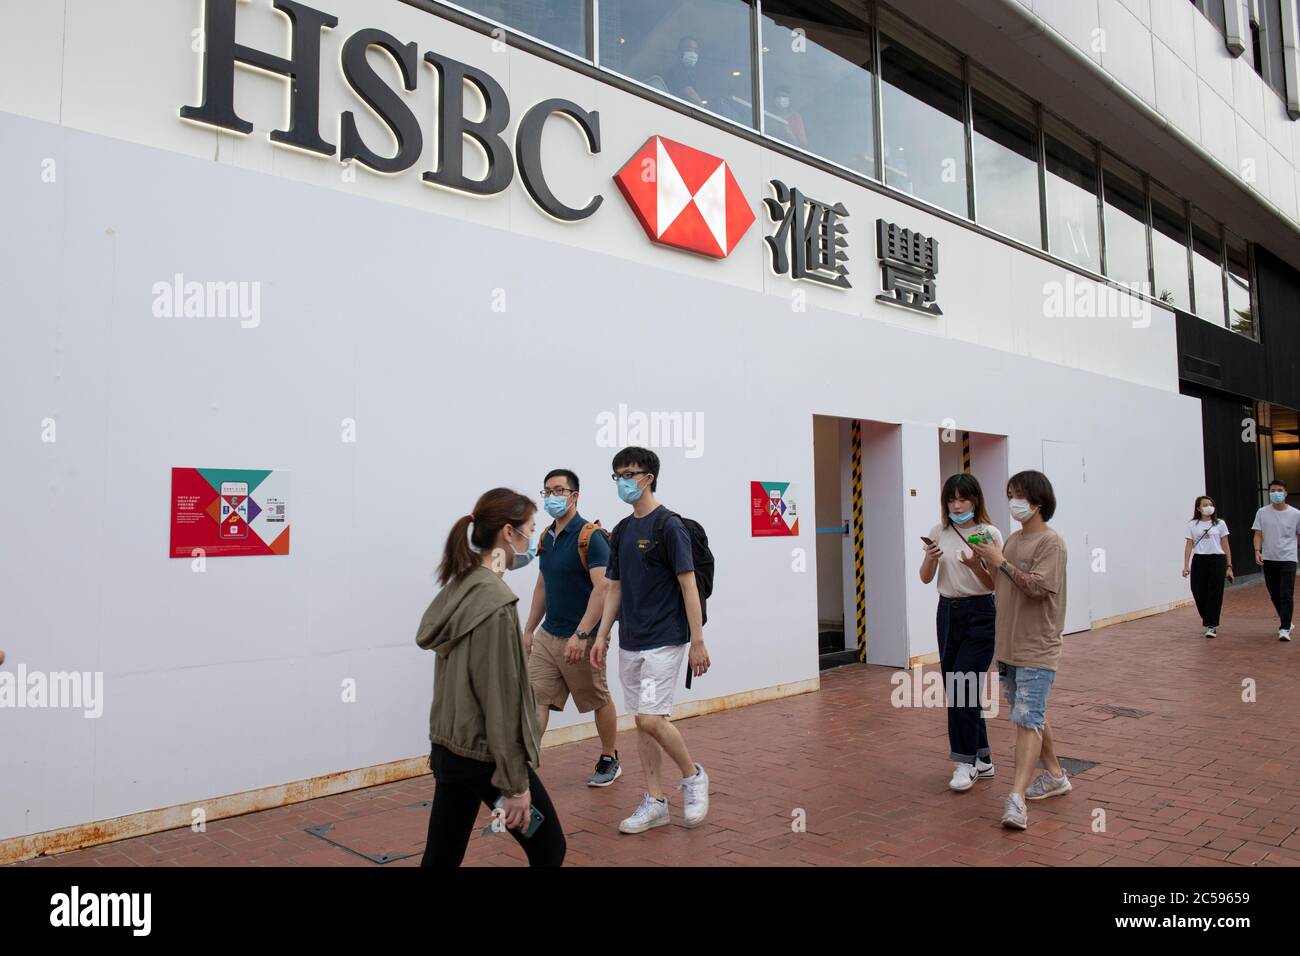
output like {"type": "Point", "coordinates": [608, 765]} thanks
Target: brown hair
{"type": "Point", "coordinates": [1196, 509]}
{"type": "Point", "coordinates": [494, 510]}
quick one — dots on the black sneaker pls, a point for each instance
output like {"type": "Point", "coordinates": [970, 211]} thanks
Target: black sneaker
{"type": "Point", "coordinates": [608, 769]}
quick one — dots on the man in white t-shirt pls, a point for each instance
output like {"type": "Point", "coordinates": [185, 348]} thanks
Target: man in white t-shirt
{"type": "Point", "coordinates": [1276, 528]}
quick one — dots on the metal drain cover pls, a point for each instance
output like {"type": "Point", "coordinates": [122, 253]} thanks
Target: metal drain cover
{"type": "Point", "coordinates": [1074, 766]}
{"type": "Point", "coordinates": [1123, 711]}
{"type": "Point", "coordinates": [381, 837]}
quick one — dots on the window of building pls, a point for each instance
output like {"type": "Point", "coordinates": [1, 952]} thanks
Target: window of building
{"type": "Point", "coordinates": [1125, 213]}
{"type": "Point", "coordinates": [1207, 268]}
{"type": "Point", "coordinates": [923, 107]}
{"type": "Point", "coordinates": [818, 89]}
{"type": "Point", "coordinates": [561, 23]}
{"type": "Point", "coordinates": [1072, 221]}
{"type": "Point", "coordinates": [1241, 315]}
{"type": "Point", "coordinates": [1005, 152]}
{"type": "Point", "coordinates": [1272, 68]}
{"type": "Point", "coordinates": [1169, 249]}
{"type": "Point", "coordinates": [1212, 10]}
{"type": "Point", "coordinates": [696, 50]}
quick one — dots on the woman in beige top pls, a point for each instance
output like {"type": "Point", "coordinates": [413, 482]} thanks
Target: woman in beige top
{"type": "Point", "coordinates": [965, 622]}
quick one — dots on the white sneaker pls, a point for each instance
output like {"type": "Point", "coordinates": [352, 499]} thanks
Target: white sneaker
{"type": "Point", "coordinates": [651, 813]}
{"type": "Point", "coordinates": [695, 797]}
{"type": "Point", "coordinates": [964, 776]}
{"type": "Point", "coordinates": [983, 768]}
{"type": "Point", "coordinates": [1284, 634]}
{"type": "Point", "coordinates": [1211, 632]}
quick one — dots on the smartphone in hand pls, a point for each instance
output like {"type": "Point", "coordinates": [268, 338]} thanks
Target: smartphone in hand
{"type": "Point", "coordinates": [535, 818]}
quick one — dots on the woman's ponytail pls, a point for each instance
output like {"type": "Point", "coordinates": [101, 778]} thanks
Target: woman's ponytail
{"type": "Point", "coordinates": [495, 509]}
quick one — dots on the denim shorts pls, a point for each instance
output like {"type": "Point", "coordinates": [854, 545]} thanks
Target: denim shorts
{"type": "Point", "coordinates": [1026, 693]}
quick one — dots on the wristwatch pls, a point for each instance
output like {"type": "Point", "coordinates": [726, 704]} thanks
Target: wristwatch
{"type": "Point", "coordinates": [583, 635]}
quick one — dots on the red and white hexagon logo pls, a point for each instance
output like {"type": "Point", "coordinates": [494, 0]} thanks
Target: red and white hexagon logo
{"type": "Point", "coordinates": [685, 198]}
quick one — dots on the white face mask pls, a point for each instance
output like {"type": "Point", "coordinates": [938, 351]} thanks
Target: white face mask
{"type": "Point", "coordinates": [1021, 509]}
{"type": "Point", "coordinates": [782, 102]}
{"type": "Point", "coordinates": [1207, 510]}
{"type": "Point", "coordinates": [690, 57]}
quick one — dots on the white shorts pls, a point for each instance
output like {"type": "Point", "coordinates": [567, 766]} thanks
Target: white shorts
{"type": "Point", "coordinates": [650, 678]}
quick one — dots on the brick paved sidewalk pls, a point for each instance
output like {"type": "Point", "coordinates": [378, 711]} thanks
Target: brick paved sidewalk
{"type": "Point", "coordinates": [1186, 774]}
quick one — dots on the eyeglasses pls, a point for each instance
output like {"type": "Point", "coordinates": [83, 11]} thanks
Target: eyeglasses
{"type": "Point", "coordinates": [548, 492]}
{"type": "Point", "coordinates": [627, 474]}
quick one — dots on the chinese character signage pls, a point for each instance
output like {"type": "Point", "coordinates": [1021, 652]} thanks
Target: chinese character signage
{"type": "Point", "coordinates": [809, 241]}
{"type": "Point", "coordinates": [909, 263]}
{"type": "Point", "coordinates": [772, 509]}
{"type": "Point", "coordinates": [229, 511]}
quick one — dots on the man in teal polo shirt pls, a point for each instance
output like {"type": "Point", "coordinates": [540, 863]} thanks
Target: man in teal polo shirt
{"type": "Point", "coordinates": [570, 593]}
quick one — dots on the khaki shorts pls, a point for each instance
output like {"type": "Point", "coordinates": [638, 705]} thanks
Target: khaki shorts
{"type": "Point", "coordinates": [554, 680]}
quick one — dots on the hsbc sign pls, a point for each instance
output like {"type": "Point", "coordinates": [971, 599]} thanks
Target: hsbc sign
{"type": "Point", "coordinates": [685, 198]}
{"type": "Point", "coordinates": [682, 197]}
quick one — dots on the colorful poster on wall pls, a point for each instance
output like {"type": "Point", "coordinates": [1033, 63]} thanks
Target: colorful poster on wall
{"type": "Point", "coordinates": [773, 511]}
{"type": "Point", "coordinates": [229, 511]}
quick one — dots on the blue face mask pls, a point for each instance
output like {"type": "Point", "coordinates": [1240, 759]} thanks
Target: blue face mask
{"type": "Point", "coordinates": [960, 519]}
{"type": "Point", "coordinates": [524, 558]}
{"type": "Point", "coordinates": [628, 490]}
{"type": "Point", "coordinates": [556, 505]}
{"type": "Point", "coordinates": [1277, 497]}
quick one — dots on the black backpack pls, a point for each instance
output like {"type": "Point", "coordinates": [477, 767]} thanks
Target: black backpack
{"type": "Point", "coordinates": [701, 556]}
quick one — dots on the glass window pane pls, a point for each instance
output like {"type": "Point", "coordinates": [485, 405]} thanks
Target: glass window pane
{"type": "Point", "coordinates": [1270, 25]}
{"type": "Point", "coordinates": [1241, 318]}
{"type": "Point", "coordinates": [1169, 248]}
{"type": "Point", "coordinates": [1071, 197]}
{"type": "Point", "coordinates": [817, 85]}
{"type": "Point", "coordinates": [1005, 149]}
{"type": "Point", "coordinates": [1213, 11]}
{"type": "Point", "coordinates": [697, 50]}
{"type": "Point", "coordinates": [924, 118]}
{"type": "Point", "coordinates": [561, 23]}
{"type": "Point", "coordinates": [1207, 268]}
{"type": "Point", "coordinates": [1126, 225]}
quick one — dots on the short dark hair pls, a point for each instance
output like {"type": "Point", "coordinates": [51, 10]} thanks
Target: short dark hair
{"type": "Point", "coordinates": [1279, 482]}
{"type": "Point", "coordinates": [642, 458]}
{"type": "Point", "coordinates": [1036, 489]}
{"type": "Point", "coordinates": [564, 473]}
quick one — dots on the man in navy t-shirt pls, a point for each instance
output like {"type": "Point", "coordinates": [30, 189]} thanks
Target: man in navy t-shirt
{"type": "Point", "coordinates": [653, 595]}
{"type": "Point", "coordinates": [567, 603]}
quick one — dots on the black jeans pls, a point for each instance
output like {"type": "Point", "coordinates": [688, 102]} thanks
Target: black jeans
{"type": "Point", "coordinates": [1279, 577]}
{"type": "Point", "coordinates": [965, 628]}
{"type": "Point", "coordinates": [462, 786]}
{"type": "Point", "coordinates": [1207, 578]}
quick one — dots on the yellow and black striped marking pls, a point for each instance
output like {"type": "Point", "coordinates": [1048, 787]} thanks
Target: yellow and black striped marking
{"type": "Point", "coordinates": [965, 453]}
{"type": "Point", "coordinates": [859, 566]}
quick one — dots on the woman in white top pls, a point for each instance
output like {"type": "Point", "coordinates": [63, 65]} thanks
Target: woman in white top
{"type": "Point", "coordinates": [1211, 561]}
{"type": "Point", "coordinates": [964, 622]}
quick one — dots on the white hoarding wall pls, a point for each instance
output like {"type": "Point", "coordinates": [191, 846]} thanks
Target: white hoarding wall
{"type": "Point", "coordinates": [401, 348]}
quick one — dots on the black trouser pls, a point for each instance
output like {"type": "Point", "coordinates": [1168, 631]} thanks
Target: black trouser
{"type": "Point", "coordinates": [1207, 586]}
{"type": "Point", "coordinates": [463, 786]}
{"type": "Point", "coordinates": [965, 627]}
{"type": "Point", "coordinates": [1279, 577]}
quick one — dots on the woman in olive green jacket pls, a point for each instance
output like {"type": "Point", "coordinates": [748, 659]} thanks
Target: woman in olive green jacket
{"type": "Point", "coordinates": [483, 723]}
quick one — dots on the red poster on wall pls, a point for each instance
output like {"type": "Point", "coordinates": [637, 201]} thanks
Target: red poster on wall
{"type": "Point", "coordinates": [223, 512]}
{"type": "Point", "coordinates": [772, 509]}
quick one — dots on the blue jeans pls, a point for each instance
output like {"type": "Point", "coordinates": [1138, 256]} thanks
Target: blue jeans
{"type": "Point", "coordinates": [1026, 692]}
